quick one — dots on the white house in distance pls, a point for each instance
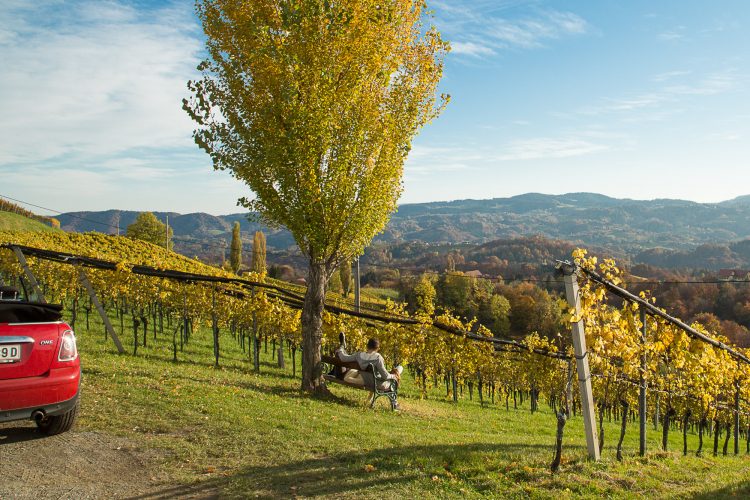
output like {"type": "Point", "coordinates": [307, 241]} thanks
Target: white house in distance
{"type": "Point", "coordinates": [734, 275]}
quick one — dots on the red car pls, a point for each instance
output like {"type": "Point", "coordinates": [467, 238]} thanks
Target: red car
{"type": "Point", "coordinates": [40, 371]}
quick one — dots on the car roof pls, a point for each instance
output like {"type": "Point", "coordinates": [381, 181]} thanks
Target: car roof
{"type": "Point", "coordinates": [13, 311]}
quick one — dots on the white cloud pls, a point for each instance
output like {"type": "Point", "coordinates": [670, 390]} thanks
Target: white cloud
{"type": "Point", "coordinates": [670, 36]}
{"type": "Point", "coordinates": [482, 29]}
{"type": "Point", "coordinates": [93, 79]}
{"type": "Point", "coordinates": [532, 32]}
{"type": "Point", "coordinates": [471, 49]}
{"type": "Point", "coordinates": [673, 93]}
{"type": "Point", "coordinates": [424, 161]}
{"type": "Point", "coordinates": [669, 75]}
{"type": "Point", "coordinates": [549, 148]}
{"type": "Point", "coordinates": [427, 160]}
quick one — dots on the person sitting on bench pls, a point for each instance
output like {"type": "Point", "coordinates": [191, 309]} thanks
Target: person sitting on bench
{"type": "Point", "coordinates": [364, 359]}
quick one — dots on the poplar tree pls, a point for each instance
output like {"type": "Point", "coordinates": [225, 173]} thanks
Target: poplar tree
{"type": "Point", "coordinates": [235, 250]}
{"type": "Point", "coordinates": [259, 253]}
{"type": "Point", "coordinates": [345, 273]}
{"type": "Point", "coordinates": [313, 104]}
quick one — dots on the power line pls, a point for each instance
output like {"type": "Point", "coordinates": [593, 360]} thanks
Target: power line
{"type": "Point", "coordinates": [543, 280]}
{"type": "Point", "coordinates": [463, 276]}
{"type": "Point", "coordinates": [249, 247]}
{"type": "Point", "coordinates": [245, 246]}
{"type": "Point", "coordinates": [654, 311]}
{"type": "Point", "coordinates": [289, 298]}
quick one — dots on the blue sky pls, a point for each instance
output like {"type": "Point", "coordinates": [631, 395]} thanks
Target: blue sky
{"type": "Point", "coordinates": [636, 99]}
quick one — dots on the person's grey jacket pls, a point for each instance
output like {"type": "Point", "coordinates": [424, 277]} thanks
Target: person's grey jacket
{"type": "Point", "coordinates": [363, 359]}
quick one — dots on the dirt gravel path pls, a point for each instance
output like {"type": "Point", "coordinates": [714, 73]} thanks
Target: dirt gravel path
{"type": "Point", "coordinates": [81, 465]}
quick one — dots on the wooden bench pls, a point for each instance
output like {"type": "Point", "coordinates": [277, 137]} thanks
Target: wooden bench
{"type": "Point", "coordinates": [331, 363]}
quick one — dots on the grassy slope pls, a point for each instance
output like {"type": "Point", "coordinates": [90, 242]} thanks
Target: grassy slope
{"type": "Point", "coordinates": [236, 433]}
{"type": "Point", "coordinates": [10, 221]}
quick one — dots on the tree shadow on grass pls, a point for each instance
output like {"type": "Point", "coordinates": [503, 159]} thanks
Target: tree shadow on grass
{"type": "Point", "coordinates": [351, 473]}
{"type": "Point", "coordinates": [286, 392]}
{"type": "Point", "coordinates": [241, 366]}
{"type": "Point", "coordinates": [740, 490]}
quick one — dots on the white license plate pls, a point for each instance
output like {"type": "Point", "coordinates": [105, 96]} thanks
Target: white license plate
{"type": "Point", "coordinates": [10, 353]}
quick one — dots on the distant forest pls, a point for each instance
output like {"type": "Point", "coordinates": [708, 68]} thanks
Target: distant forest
{"type": "Point", "coordinates": [476, 251]}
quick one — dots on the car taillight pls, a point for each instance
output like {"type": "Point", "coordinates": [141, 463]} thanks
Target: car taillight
{"type": "Point", "coordinates": [68, 349]}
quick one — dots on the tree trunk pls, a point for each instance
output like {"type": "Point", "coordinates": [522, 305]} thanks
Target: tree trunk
{"type": "Point", "coordinates": [480, 388]}
{"type": "Point", "coordinates": [701, 426]}
{"type": "Point", "coordinates": [685, 423]}
{"type": "Point", "coordinates": [455, 385]}
{"type": "Point", "coordinates": [135, 336]}
{"type": "Point", "coordinates": [312, 329]}
{"type": "Point", "coordinates": [215, 330]}
{"type": "Point", "coordinates": [281, 361]}
{"type": "Point", "coordinates": [74, 312]}
{"type": "Point", "coordinates": [726, 439]}
{"type": "Point", "coordinates": [717, 433]}
{"type": "Point", "coordinates": [665, 427]}
{"type": "Point", "coordinates": [174, 344]}
{"type": "Point", "coordinates": [561, 419]}
{"type": "Point", "coordinates": [601, 427]}
{"type": "Point", "coordinates": [625, 407]}
{"type": "Point", "coordinates": [144, 321]}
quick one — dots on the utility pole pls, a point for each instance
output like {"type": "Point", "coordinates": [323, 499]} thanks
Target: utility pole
{"type": "Point", "coordinates": [118, 223]}
{"type": "Point", "coordinates": [356, 285]}
{"type": "Point", "coordinates": [166, 235]}
{"type": "Point", "coordinates": [572, 292]}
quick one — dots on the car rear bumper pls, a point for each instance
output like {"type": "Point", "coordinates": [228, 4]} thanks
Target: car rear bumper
{"type": "Point", "coordinates": [49, 410]}
{"type": "Point", "coordinates": [54, 393]}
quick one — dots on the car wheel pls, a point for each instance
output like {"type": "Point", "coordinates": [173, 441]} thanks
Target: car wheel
{"type": "Point", "coordinates": [59, 423]}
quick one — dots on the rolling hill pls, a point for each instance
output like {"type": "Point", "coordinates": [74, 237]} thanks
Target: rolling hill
{"type": "Point", "coordinates": [631, 226]}
{"type": "Point", "coordinates": [16, 222]}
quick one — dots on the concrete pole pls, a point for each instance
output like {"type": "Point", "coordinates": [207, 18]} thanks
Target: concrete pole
{"type": "Point", "coordinates": [642, 393]}
{"type": "Point", "coordinates": [356, 285]}
{"type": "Point", "coordinates": [256, 340]}
{"type": "Point", "coordinates": [582, 362]}
{"type": "Point", "coordinates": [737, 420]}
{"type": "Point", "coordinates": [100, 309]}
{"type": "Point", "coordinates": [29, 276]}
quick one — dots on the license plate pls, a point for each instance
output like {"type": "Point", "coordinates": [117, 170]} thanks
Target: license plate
{"type": "Point", "coordinates": [10, 353]}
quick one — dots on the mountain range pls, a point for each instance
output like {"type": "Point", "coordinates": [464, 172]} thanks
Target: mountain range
{"type": "Point", "coordinates": [654, 230]}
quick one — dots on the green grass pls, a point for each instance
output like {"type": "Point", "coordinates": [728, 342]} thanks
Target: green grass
{"type": "Point", "coordinates": [380, 293]}
{"type": "Point", "coordinates": [234, 433]}
{"type": "Point", "coordinates": [371, 297]}
{"type": "Point", "coordinates": [10, 221]}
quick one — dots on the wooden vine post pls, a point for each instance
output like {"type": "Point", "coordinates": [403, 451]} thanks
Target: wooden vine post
{"type": "Point", "coordinates": [98, 305]}
{"type": "Point", "coordinates": [582, 361]}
